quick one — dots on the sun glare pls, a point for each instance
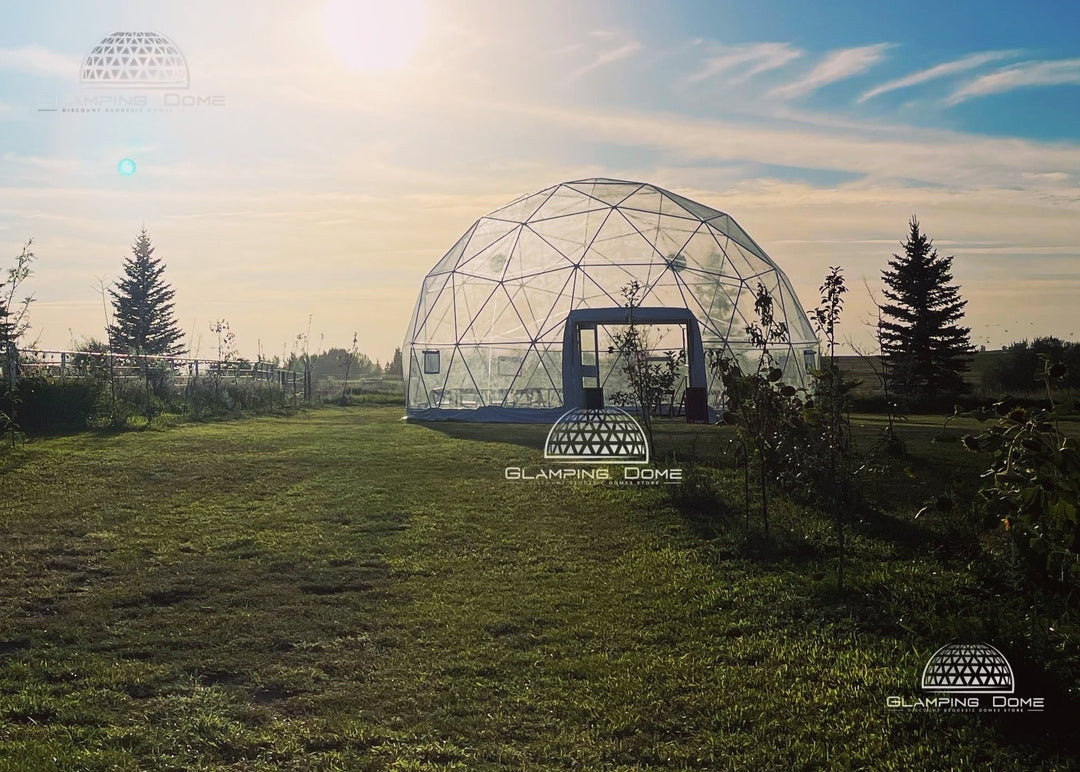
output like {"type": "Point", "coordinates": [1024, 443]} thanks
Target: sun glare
{"type": "Point", "coordinates": [373, 35]}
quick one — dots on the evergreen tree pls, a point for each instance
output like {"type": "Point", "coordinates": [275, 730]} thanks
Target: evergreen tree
{"type": "Point", "coordinates": [394, 367]}
{"type": "Point", "coordinates": [143, 320]}
{"type": "Point", "coordinates": [928, 350]}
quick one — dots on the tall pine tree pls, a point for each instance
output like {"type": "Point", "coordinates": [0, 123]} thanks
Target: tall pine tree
{"type": "Point", "coordinates": [929, 352]}
{"type": "Point", "coordinates": [143, 320]}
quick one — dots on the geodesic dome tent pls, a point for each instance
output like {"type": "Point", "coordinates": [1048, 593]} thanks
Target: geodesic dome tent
{"type": "Point", "coordinates": [517, 320]}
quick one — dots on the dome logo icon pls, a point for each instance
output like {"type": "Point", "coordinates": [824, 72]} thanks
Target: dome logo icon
{"type": "Point", "coordinates": [968, 678]}
{"type": "Point", "coordinates": [961, 668]}
{"type": "Point", "coordinates": [597, 436]}
{"type": "Point", "coordinates": [135, 60]}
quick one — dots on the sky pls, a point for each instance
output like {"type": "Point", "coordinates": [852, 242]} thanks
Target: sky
{"type": "Point", "coordinates": [325, 155]}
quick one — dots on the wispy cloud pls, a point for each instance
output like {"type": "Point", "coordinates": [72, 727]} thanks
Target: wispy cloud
{"type": "Point", "coordinates": [839, 65]}
{"type": "Point", "coordinates": [1023, 75]}
{"type": "Point", "coordinates": [50, 164]}
{"type": "Point", "coordinates": [746, 61]}
{"type": "Point", "coordinates": [954, 160]}
{"type": "Point", "coordinates": [618, 47]}
{"type": "Point", "coordinates": [964, 64]}
{"type": "Point", "coordinates": [35, 60]}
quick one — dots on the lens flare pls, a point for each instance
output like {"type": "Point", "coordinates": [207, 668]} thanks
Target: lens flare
{"type": "Point", "coordinates": [374, 36]}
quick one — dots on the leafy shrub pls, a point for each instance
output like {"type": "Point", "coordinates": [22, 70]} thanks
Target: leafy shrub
{"type": "Point", "coordinates": [869, 402]}
{"type": "Point", "coordinates": [216, 397]}
{"type": "Point", "coordinates": [1033, 484]}
{"type": "Point", "coordinates": [1017, 370]}
{"type": "Point", "coordinates": [648, 381]}
{"type": "Point", "coordinates": [47, 405]}
{"type": "Point", "coordinates": [358, 397]}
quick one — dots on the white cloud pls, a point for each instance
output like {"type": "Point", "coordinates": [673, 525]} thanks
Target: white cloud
{"type": "Point", "coordinates": [49, 164]}
{"type": "Point", "coordinates": [347, 149]}
{"type": "Point", "coordinates": [10, 112]}
{"type": "Point", "coordinates": [1051, 177]}
{"type": "Point", "coordinates": [970, 62]}
{"type": "Point", "coordinates": [838, 65]}
{"type": "Point", "coordinates": [748, 61]}
{"type": "Point", "coordinates": [805, 227]}
{"type": "Point", "coordinates": [35, 60]}
{"type": "Point", "coordinates": [619, 48]}
{"type": "Point", "coordinates": [1023, 75]}
{"type": "Point", "coordinates": [952, 159]}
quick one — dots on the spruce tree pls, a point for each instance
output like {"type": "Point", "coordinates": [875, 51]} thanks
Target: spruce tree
{"type": "Point", "coordinates": [394, 367]}
{"type": "Point", "coordinates": [928, 351]}
{"type": "Point", "coordinates": [143, 320]}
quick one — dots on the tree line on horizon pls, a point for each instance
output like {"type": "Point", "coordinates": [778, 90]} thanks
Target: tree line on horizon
{"type": "Point", "coordinates": [924, 348]}
{"type": "Point", "coordinates": [144, 323]}
{"type": "Point", "coordinates": [919, 331]}
{"type": "Point", "coordinates": [143, 327]}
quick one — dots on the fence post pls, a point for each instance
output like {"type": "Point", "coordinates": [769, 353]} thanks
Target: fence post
{"type": "Point", "coordinates": [11, 369]}
{"type": "Point", "coordinates": [63, 364]}
{"type": "Point", "coordinates": [307, 385]}
{"type": "Point", "coordinates": [112, 383]}
{"type": "Point", "coordinates": [12, 364]}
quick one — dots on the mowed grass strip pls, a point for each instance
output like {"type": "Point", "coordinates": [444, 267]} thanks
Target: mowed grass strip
{"type": "Point", "coordinates": [339, 590]}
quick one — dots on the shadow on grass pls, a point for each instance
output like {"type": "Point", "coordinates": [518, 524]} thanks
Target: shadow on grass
{"type": "Point", "coordinates": [524, 435]}
{"type": "Point", "coordinates": [676, 441]}
{"type": "Point", "coordinates": [730, 534]}
{"type": "Point", "coordinates": [929, 610]}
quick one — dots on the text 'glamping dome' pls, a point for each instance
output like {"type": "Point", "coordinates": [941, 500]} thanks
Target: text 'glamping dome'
{"type": "Point", "coordinates": [488, 334]}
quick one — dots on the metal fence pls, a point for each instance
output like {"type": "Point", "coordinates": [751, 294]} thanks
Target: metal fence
{"type": "Point", "coordinates": [86, 364]}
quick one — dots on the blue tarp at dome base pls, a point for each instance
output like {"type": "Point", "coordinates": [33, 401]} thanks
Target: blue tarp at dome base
{"type": "Point", "coordinates": [487, 335]}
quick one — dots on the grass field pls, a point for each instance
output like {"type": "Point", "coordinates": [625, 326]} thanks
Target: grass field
{"type": "Point", "coordinates": [339, 590]}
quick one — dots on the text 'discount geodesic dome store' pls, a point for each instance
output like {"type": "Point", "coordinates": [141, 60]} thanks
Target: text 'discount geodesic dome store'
{"type": "Point", "coordinates": [517, 320]}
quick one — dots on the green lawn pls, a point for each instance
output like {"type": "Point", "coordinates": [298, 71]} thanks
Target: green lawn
{"type": "Point", "coordinates": [339, 590]}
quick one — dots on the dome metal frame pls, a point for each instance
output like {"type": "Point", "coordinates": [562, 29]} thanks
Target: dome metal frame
{"type": "Point", "coordinates": [487, 337]}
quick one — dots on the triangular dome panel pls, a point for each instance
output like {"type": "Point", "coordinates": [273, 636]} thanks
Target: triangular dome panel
{"type": "Point", "coordinates": [495, 306]}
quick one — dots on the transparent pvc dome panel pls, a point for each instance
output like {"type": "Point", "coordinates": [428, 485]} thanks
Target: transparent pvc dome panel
{"type": "Point", "coordinates": [489, 322]}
